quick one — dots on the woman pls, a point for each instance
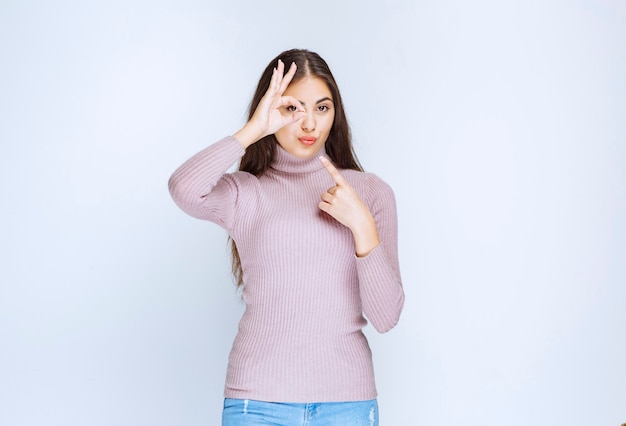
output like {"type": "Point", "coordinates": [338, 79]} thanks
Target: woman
{"type": "Point", "coordinates": [314, 248]}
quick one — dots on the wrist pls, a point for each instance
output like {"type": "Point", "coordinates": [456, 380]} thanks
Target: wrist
{"type": "Point", "coordinates": [365, 238]}
{"type": "Point", "coordinates": [248, 134]}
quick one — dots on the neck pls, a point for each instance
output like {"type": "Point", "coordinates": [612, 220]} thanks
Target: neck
{"type": "Point", "coordinates": [286, 162]}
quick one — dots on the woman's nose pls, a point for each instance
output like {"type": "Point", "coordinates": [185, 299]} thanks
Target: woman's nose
{"type": "Point", "coordinates": [308, 122]}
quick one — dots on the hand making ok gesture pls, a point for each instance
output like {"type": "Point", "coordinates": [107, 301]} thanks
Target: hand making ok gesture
{"type": "Point", "coordinates": [268, 117]}
{"type": "Point", "coordinates": [344, 204]}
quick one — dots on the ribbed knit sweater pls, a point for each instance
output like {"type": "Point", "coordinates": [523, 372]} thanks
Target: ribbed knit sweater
{"type": "Point", "coordinates": [306, 293]}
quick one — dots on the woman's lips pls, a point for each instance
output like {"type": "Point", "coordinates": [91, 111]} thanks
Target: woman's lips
{"type": "Point", "coordinates": [307, 140]}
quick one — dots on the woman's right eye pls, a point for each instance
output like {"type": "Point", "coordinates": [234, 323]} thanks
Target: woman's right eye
{"type": "Point", "coordinates": [291, 108]}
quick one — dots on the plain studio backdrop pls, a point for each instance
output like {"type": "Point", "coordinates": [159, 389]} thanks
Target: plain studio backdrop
{"type": "Point", "coordinates": [499, 124]}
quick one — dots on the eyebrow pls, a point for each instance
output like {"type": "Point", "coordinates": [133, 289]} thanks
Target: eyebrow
{"type": "Point", "coordinates": [320, 101]}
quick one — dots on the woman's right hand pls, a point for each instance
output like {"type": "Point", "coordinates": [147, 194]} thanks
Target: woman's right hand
{"type": "Point", "coordinates": [272, 114]}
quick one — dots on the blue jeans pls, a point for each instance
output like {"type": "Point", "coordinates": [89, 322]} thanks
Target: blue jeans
{"type": "Point", "coordinates": [247, 412]}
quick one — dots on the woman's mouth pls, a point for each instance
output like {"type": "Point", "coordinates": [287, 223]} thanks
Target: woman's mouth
{"type": "Point", "coordinates": [307, 140]}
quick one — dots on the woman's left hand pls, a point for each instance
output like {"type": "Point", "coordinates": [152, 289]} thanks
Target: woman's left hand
{"type": "Point", "coordinates": [343, 203]}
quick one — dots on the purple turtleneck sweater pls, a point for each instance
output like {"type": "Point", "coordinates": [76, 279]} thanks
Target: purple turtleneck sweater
{"type": "Point", "coordinates": [306, 293]}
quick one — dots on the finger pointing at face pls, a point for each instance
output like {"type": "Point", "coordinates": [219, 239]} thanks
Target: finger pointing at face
{"type": "Point", "coordinates": [341, 201]}
{"type": "Point", "coordinates": [334, 173]}
{"type": "Point", "coordinates": [344, 204]}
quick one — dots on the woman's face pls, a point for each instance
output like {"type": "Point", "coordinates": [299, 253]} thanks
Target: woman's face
{"type": "Point", "coordinates": [305, 137]}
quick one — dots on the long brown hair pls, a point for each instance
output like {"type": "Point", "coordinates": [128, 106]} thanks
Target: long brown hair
{"type": "Point", "coordinates": [260, 155]}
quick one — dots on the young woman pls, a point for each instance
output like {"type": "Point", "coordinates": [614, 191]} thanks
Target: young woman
{"type": "Point", "coordinates": [314, 243]}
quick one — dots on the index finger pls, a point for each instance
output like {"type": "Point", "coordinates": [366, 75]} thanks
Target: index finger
{"type": "Point", "coordinates": [332, 170]}
{"type": "Point", "coordinates": [286, 79]}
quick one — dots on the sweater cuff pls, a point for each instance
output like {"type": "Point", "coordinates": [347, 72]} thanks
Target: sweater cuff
{"type": "Point", "coordinates": [234, 145]}
{"type": "Point", "coordinates": [375, 260]}
{"type": "Point", "coordinates": [375, 256]}
{"type": "Point", "coordinates": [376, 270]}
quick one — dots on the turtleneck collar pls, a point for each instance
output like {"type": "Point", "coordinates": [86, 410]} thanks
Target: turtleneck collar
{"type": "Point", "coordinates": [286, 162]}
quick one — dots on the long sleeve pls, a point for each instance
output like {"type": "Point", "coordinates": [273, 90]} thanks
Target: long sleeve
{"type": "Point", "coordinates": [380, 284]}
{"type": "Point", "coordinates": [202, 188]}
{"type": "Point", "coordinates": [306, 293]}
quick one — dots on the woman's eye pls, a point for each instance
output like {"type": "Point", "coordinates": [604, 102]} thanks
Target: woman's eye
{"type": "Point", "coordinates": [291, 108]}
{"type": "Point", "coordinates": [323, 108]}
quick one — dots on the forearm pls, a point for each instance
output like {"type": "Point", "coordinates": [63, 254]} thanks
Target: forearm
{"type": "Point", "coordinates": [380, 284]}
{"type": "Point", "coordinates": [382, 295]}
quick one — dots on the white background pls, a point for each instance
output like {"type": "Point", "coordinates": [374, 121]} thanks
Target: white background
{"type": "Point", "coordinates": [499, 124]}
